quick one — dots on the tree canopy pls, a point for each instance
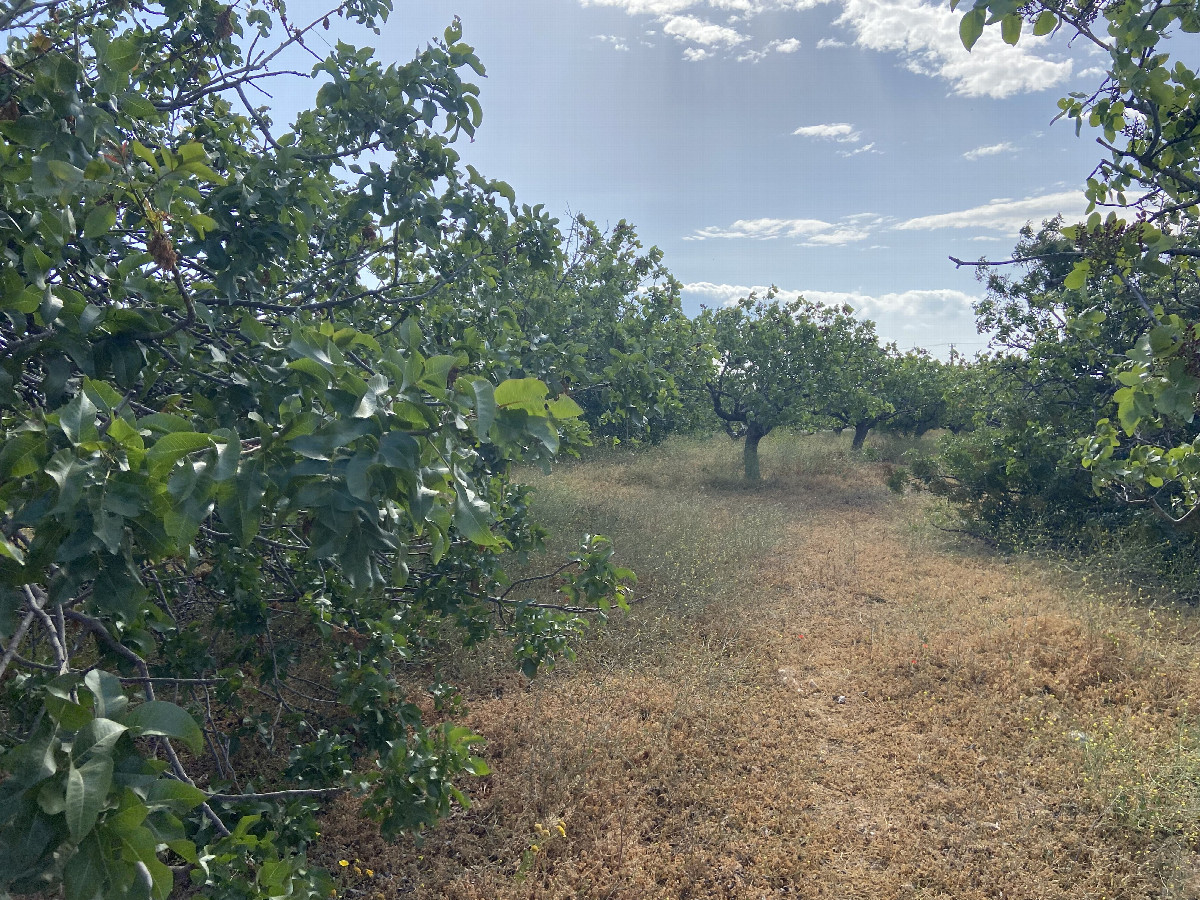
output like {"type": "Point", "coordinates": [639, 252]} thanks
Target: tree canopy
{"type": "Point", "coordinates": [794, 363]}
{"type": "Point", "coordinates": [261, 389]}
{"type": "Point", "coordinates": [1131, 274]}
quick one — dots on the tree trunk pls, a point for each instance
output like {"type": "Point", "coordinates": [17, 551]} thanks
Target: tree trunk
{"type": "Point", "coordinates": [754, 434]}
{"type": "Point", "coordinates": [860, 434]}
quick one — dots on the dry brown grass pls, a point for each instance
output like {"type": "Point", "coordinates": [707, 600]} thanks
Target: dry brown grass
{"type": "Point", "coordinates": [835, 706]}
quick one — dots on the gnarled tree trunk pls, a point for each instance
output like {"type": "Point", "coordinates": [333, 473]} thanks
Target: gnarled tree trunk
{"type": "Point", "coordinates": [754, 434]}
{"type": "Point", "coordinates": [861, 430]}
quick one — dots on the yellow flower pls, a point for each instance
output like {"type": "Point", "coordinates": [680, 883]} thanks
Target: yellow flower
{"type": "Point", "coordinates": [559, 828]}
{"type": "Point", "coordinates": [535, 848]}
{"type": "Point", "coordinates": [357, 870]}
{"type": "Point", "coordinates": [343, 863]}
{"type": "Point", "coordinates": [370, 873]}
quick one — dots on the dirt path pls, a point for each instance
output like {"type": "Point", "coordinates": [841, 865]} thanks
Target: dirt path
{"type": "Point", "coordinates": [864, 716]}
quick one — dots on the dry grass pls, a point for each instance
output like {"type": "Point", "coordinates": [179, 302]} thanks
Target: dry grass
{"type": "Point", "coordinates": [822, 701]}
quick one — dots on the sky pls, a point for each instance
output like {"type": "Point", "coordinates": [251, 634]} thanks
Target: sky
{"type": "Point", "coordinates": [839, 149]}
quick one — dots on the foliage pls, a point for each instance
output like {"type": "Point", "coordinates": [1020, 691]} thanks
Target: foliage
{"type": "Point", "coordinates": [1148, 113]}
{"type": "Point", "coordinates": [796, 363]}
{"type": "Point", "coordinates": [1044, 386]}
{"type": "Point", "coordinates": [606, 325]}
{"type": "Point", "coordinates": [260, 392]}
{"type": "Point", "coordinates": [903, 392]}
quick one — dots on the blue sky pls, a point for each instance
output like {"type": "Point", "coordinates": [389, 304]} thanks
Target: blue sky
{"type": "Point", "coordinates": [839, 149]}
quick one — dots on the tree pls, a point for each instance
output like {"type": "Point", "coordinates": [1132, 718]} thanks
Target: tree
{"type": "Point", "coordinates": [852, 372]}
{"type": "Point", "coordinates": [797, 364]}
{"type": "Point", "coordinates": [604, 323]}
{"type": "Point", "coordinates": [258, 414]}
{"type": "Point", "coordinates": [1149, 174]}
{"type": "Point", "coordinates": [920, 390]}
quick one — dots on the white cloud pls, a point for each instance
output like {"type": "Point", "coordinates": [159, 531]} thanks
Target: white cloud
{"type": "Point", "coordinates": [841, 132]}
{"type": "Point", "coordinates": [695, 54]}
{"type": "Point", "coordinates": [791, 45]}
{"type": "Point", "coordinates": [926, 36]}
{"type": "Point", "coordinates": [809, 232]}
{"type": "Point", "coordinates": [923, 33]}
{"type": "Point", "coordinates": [1003, 215]}
{"type": "Point", "coordinates": [763, 229]}
{"type": "Point", "coordinates": [611, 39]}
{"type": "Point", "coordinates": [698, 31]}
{"type": "Point", "coordinates": [865, 148]}
{"type": "Point", "coordinates": [913, 303]}
{"type": "Point", "coordinates": [837, 238]}
{"type": "Point", "coordinates": [990, 150]}
{"type": "Point", "coordinates": [645, 7]}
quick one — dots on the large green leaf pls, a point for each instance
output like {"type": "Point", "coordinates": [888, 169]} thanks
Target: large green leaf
{"type": "Point", "coordinates": [87, 793]}
{"type": "Point", "coordinates": [528, 394]}
{"type": "Point", "coordinates": [160, 717]}
{"type": "Point", "coordinates": [170, 448]}
{"type": "Point", "coordinates": [971, 27]}
{"type": "Point", "coordinates": [472, 518]}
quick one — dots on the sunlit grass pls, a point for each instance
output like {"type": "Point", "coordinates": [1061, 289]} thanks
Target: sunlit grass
{"type": "Point", "coordinates": [1001, 721]}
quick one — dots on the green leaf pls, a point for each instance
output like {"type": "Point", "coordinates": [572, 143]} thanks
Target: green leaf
{"type": "Point", "coordinates": [78, 419]}
{"type": "Point", "coordinates": [971, 27]}
{"type": "Point", "coordinates": [64, 171]}
{"type": "Point", "coordinates": [1078, 276]}
{"type": "Point", "coordinates": [174, 795]}
{"type": "Point", "coordinates": [85, 874]}
{"type": "Point", "coordinates": [528, 394]}
{"type": "Point", "coordinates": [99, 221]}
{"type": "Point", "coordinates": [485, 406]}
{"type": "Point", "coordinates": [472, 518]}
{"type": "Point", "coordinates": [170, 448]}
{"type": "Point", "coordinates": [20, 455]}
{"type": "Point", "coordinates": [66, 713]}
{"type": "Point", "coordinates": [87, 792]}
{"type": "Point", "coordinates": [159, 717]}
{"type": "Point", "coordinates": [565, 408]}
{"type": "Point", "coordinates": [1046, 23]}
{"type": "Point", "coordinates": [11, 550]}
{"type": "Point", "coordinates": [1010, 28]}
{"type": "Point", "coordinates": [97, 738]}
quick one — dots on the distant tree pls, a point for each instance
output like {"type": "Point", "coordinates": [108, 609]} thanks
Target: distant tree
{"type": "Point", "coordinates": [851, 374]}
{"type": "Point", "coordinates": [919, 387]}
{"type": "Point", "coordinates": [798, 364]}
{"type": "Point", "coordinates": [767, 359]}
{"type": "Point", "coordinates": [604, 324]}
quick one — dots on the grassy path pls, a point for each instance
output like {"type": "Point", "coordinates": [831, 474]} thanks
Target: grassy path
{"type": "Point", "coordinates": [821, 702]}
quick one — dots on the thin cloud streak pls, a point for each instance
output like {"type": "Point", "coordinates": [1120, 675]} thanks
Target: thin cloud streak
{"type": "Point", "coordinates": [990, 150]}
{"type": "Point", "coordinates": [842, 132]}
{"type": "Point", "coordinates": [1003, 215]}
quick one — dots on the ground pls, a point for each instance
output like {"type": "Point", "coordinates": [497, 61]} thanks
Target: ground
{"type": "Point", "coordinates": [822, 695]}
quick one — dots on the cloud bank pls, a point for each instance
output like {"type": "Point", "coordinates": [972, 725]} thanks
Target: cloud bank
{"type": "Point", "coordinates": [922, 34]}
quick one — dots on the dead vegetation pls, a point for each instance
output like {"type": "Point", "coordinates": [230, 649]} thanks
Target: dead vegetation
{"type": "Point", "coordinates": [824, 699]}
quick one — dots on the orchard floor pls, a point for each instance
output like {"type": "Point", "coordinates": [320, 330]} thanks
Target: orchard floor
{"type": "Point", "coordinates": [823, 697]}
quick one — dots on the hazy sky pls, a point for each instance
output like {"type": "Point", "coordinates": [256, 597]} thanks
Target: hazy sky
{"type": "Point", "coordinates": [838, 149]}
